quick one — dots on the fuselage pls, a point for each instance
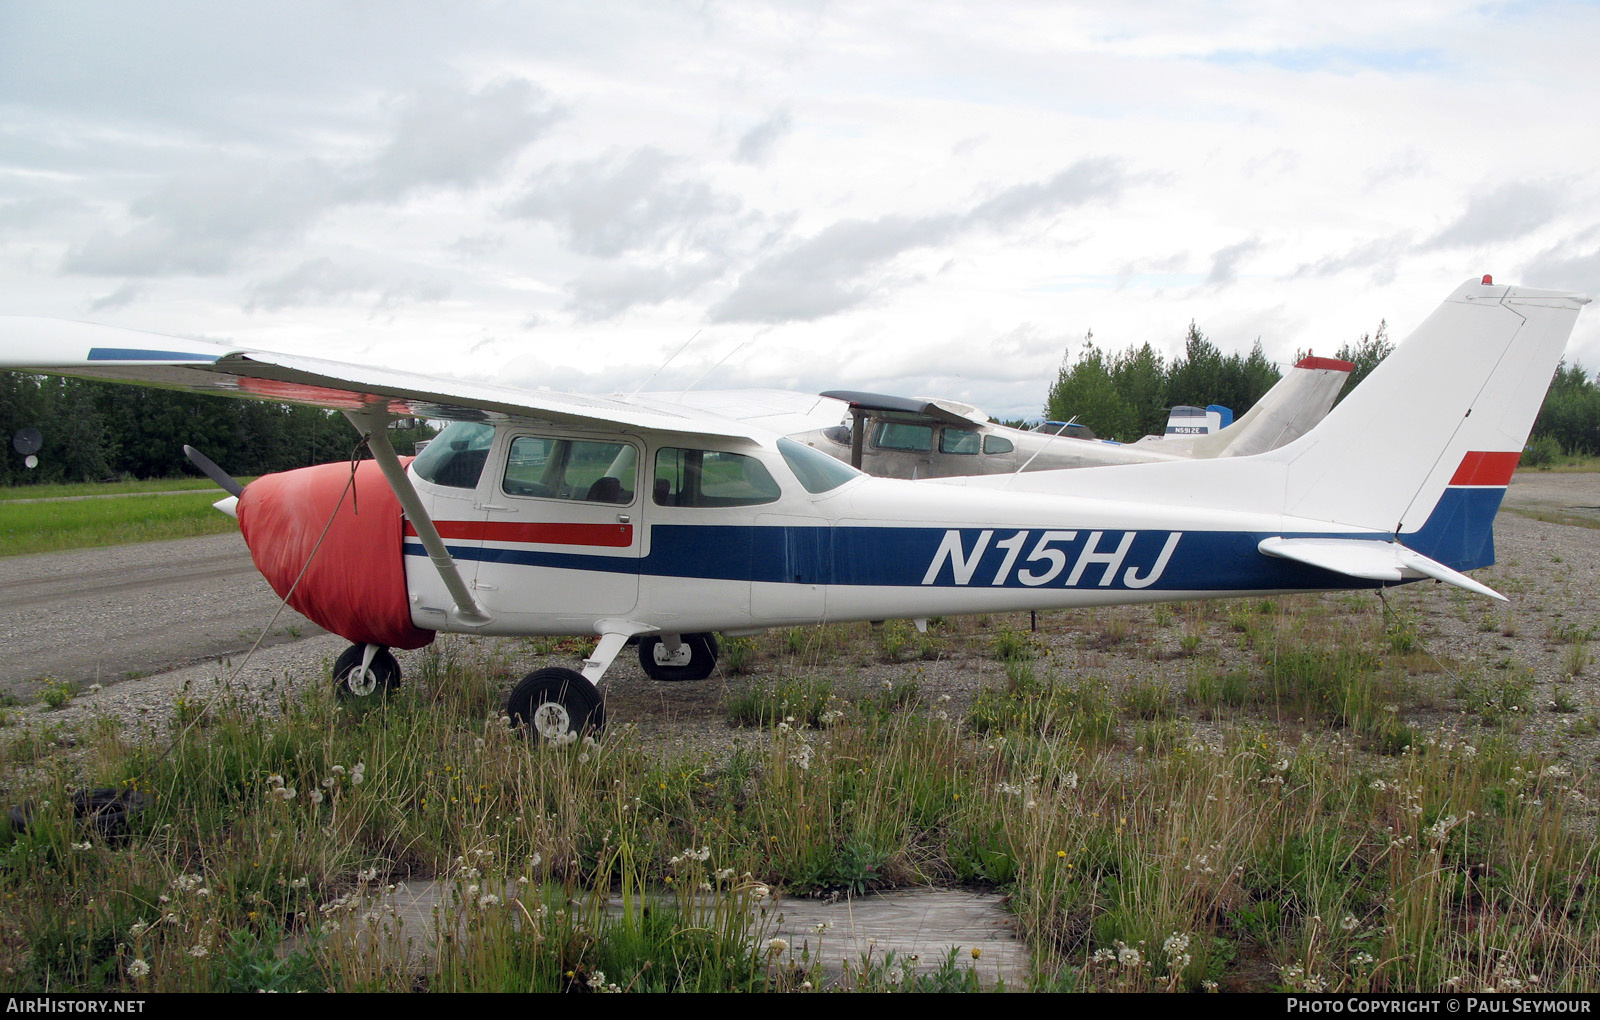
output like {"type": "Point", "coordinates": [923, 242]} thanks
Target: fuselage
{"type": "Point", "coordinates": [554, 529]}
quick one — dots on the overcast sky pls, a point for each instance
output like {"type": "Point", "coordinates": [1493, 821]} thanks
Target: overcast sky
{"type": "Point", "coordinates": [913, 197]}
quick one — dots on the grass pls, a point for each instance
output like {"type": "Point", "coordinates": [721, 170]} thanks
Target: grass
{"type": "Point", "coordinates": [1305, 837]}
{"type": "Point", "coordinates": [1142, 856]}
{"type": "Point", "coordinates": [14, 492]}
{"type": "Point", "coordinates": [53, 527]}
{"type": "Point", "coordinates": [1553, 517]}
{"type": "Point", "coordinates": [1570, 463]}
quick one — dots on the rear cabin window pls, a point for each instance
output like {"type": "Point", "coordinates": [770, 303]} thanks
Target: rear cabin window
{"type": "Point", "coordinates": [547, 468]}
{"type": "Point", "coordinates": [456, 456]}
{"type": "Point", "coordinates": [958, 441]}
{"type": "Point", "coordinates": [711, 478]}
{"type": "Point", "coordinates": [894, 435]}
{"type": "Point", "coordinates": [997, 444]}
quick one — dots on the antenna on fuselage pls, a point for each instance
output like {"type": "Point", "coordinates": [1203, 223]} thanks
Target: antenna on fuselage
{"type": "Point", "coordinates": [664, 364]}
{"type": "Point", "coordinates": [1057, 435]}
{"type": "Point", "coordinates": [713, 368]}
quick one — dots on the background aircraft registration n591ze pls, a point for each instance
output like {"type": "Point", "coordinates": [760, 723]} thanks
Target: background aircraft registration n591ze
{"type": "Point", "coordinates": [631, 518]}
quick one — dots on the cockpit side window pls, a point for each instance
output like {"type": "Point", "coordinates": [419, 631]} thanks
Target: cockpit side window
{"type": "Point", "coordinates": [711, 478]}
{"type": "Point", "coordinates": [895, 435]}
{"type": "Point", "coordinates": [542, 467]}
{"type": "Point", "coordinates": [456, 456]}
{"type": "Point", "coordinates": [963, 441]}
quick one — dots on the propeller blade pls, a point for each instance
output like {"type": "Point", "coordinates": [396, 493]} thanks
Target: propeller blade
{"type": "Point", "coordinates": [213, 472]}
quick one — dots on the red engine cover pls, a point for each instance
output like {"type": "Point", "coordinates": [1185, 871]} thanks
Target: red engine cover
{"type": "Point", "coordinates": [356, 585]}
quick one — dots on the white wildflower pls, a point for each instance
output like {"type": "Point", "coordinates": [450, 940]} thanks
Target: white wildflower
{"type": "Point", "coordinates": [775, 946]}
{"type": "Point", "coordinates": [138, 969]}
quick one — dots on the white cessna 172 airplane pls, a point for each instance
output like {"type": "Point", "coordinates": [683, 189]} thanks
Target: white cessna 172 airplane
{"type": "Point", "coordinates": [548, 513]}
{"type": "Point", "coordinates": [897, 437]}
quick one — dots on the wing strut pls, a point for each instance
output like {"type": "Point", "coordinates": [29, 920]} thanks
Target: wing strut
{"type": "Point", "coordinates": [376, 429]}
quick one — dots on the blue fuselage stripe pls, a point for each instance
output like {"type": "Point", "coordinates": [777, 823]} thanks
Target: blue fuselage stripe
{"type": "Point", "coordinates": [1457, 534]}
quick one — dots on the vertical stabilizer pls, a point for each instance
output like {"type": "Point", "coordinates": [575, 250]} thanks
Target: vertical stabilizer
{"type": "Point", "coordinates": [1449, 409]}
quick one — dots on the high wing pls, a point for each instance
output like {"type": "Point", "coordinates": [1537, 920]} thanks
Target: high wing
{"type": "Point", "coordinates": [924, 409]}
{"type": "Point", "coordinates": [91, 351]}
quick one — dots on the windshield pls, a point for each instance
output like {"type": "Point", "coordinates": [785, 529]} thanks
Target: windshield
{"type": "Point", "coordinates": [456, 456]}
{"type": "Point", "coordinates": [817, 471]}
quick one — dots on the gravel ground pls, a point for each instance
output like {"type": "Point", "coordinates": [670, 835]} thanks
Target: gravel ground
{"type": "Point", "coordinates": [1549, 571]}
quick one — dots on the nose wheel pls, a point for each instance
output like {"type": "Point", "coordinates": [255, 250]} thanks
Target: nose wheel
{"type": "Point", "coordinates": [358, 679]}
{"type": "Point", "coordinates": [557, 706]}
{"type": "Point", "coordinates": [693, 659]}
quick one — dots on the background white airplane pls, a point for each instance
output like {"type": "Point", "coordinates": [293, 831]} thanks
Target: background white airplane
{"type": "Point", "coordinates": [920, 437]}
{"type": "Point", "coordinates": [551, 513]}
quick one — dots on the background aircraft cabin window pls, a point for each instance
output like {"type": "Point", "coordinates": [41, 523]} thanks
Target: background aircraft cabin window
{"type": "Point", "coordinates": [456, 456]}
{"type": "Point", "coordinates": [997, 444]}
{"type": "Point", "coordinates": [817, 471]}
{"type": "Point", "coordinates": [712, 478]}
{"type": "Point", "coordinates": [895, 435]}
{"type": "Point", "coordinates": [958, 441]}
{"type": "Point", "coordinates": [571, 469]}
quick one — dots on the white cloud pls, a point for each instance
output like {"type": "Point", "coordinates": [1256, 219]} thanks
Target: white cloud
{"type": "Point", "coordinates": [1504, 214]}
{"type": "Point", "coordinates": [457, 138]}
{"type": "Point", "coordinates": [756, 143]}
{"type": "Point", "coordinates": [620, 203]}
{"type": "Point", "coordinates": [883, 190]}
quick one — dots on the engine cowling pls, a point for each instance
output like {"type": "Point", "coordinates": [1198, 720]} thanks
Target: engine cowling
{"type": "Point", "coordinates": [355, 586]}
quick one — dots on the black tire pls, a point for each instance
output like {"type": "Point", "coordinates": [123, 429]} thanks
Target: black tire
{"type": "Point", "coordinates": [382, 676]}
{"type": "Point", "coordinates": [556, 704]}
{"type": "Point", "coordinates": [702, 649]}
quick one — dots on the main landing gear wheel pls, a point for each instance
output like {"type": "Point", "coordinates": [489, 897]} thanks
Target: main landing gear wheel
{"type": "Point", "coordinates": [381, 677]}
{"type": "Point", "coordinates": [695, 658]}
{"type": "Point", "coordinates": [557, 705]}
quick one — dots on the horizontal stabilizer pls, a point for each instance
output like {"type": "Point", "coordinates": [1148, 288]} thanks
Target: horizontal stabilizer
{"type": "Point", "coordinates": [1370, 559]}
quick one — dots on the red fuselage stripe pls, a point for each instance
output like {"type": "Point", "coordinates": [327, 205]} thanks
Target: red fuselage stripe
{"type": "Point", "coordinates": [615, 536]}
{"type": "Point", "coordinates": [1480, 468]}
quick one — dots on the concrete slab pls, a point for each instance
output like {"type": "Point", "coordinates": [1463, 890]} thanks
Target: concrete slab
{"type": "Point", "coordinates": [842, 933]}
{"type": "Point", "coordinates": [922, 923]}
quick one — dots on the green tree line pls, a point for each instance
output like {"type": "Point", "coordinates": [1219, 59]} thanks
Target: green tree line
{"type": "Point", "coordinates": [94, 430]}
{"type": "Point", "coordinates": [1570, 415]}
{"type": "Point", "coordinates": [1127, 395]}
